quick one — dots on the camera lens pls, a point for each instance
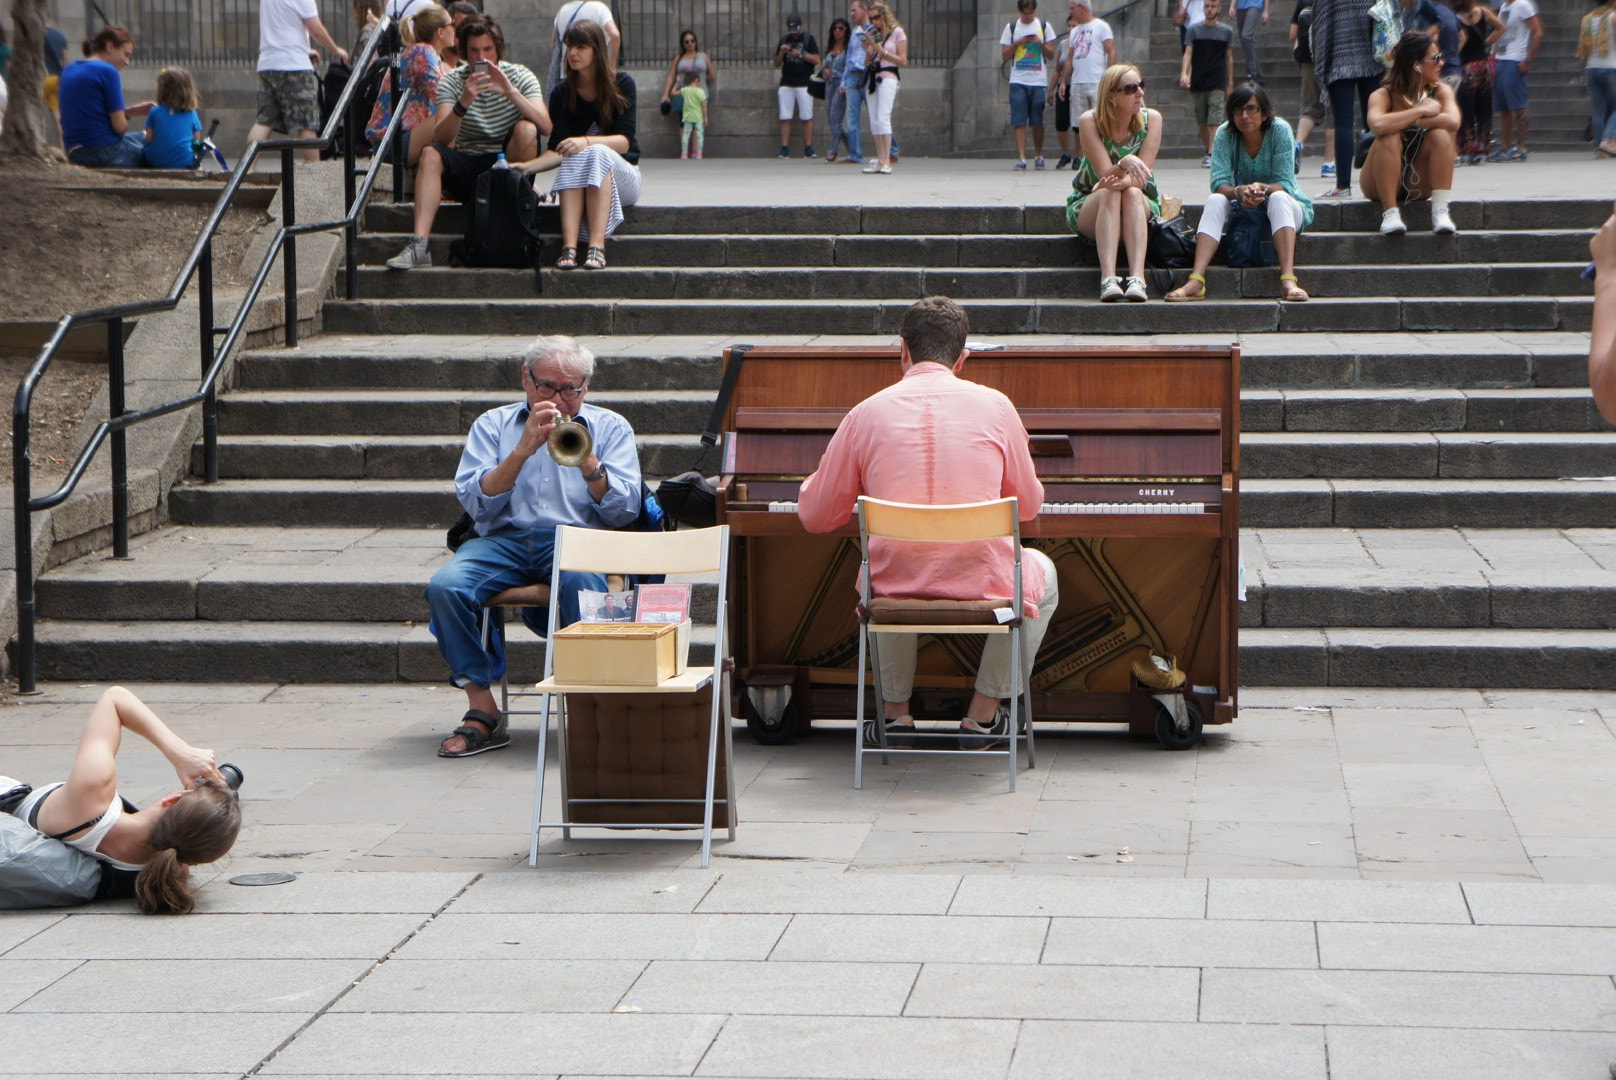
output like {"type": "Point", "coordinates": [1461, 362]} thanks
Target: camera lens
{"type": "Point", "coordinates": [232, 775]}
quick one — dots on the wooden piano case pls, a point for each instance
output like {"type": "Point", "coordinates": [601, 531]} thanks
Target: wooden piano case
{"type": "Point", "coordinates": [1154, 429]}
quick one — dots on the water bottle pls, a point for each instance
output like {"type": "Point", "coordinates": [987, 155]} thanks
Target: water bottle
{"type": "Point", "coordinates": [501, 163]}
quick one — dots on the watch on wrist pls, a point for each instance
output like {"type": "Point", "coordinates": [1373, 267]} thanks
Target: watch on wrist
{"type": "Point", "coordinates": [461, 108]}
{"type": "Point", "coordinates": [599, 473]}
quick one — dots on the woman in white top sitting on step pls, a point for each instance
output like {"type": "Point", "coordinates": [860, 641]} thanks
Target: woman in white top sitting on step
{"type": "Point", "coordinates": [154, 847]}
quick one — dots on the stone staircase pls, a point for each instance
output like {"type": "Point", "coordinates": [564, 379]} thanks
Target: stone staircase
{"type": "Point", "coordinates": [1408, 437]}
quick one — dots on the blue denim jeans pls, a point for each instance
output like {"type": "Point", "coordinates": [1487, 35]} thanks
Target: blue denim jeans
{"type": "Point", "coordinates": [127, 153]}
{"type": "Point", "coordinates": [854, 85]}
{"type": "Point", "coordinates": [1602, 96]}
{"type": "Point", "coordinates": [483, 567]}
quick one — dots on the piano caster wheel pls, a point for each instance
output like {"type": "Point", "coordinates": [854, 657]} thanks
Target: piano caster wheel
{"type": "Point", "coordinates": [1167, 732]}
{"type": "Point", "coordinates": [766, 731]}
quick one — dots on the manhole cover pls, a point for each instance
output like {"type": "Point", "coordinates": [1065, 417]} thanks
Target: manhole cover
{"type": "Point", "coordinates": [278, 877]}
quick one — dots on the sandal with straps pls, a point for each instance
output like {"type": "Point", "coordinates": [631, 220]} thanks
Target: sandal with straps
{"type": "Point", "coordinates": [1289, 290]}
{"type": "Point", "coordinates": [478, 741]}
{"type": "Point", "coordinates": [568, 260]}
{"type": "Point", "coordinates": [596, 259]}
{"type": "Point", "coordinates": [1178, 295]}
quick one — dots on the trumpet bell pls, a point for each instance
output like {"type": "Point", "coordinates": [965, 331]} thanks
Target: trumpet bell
{"type": "Point", "coordinates": [569, 444]}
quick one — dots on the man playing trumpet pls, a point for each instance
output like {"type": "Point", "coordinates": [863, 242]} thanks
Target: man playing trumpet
{"type": "Point", "coordinates": [517, 489]}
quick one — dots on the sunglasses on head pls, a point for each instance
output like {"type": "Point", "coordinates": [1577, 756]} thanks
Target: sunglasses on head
{"type": "Point", "coordinates": [1130, 87]}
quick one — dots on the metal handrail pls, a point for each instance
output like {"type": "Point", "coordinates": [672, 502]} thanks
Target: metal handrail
{"type": "Point", "coordinates": [199, 264]}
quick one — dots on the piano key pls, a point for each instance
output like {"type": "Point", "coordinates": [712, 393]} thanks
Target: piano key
{"type": "Point", "coordinates": [783, 507]}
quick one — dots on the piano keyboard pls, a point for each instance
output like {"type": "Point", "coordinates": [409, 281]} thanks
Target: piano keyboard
{"type": "Point", "coordinates": [1074, 508]}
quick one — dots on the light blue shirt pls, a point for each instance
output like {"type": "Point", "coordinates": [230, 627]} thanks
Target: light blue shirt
{"type": "Point", "coordinates": [856, 59]}
{"type": "Point", "coordinates": [546, 494]}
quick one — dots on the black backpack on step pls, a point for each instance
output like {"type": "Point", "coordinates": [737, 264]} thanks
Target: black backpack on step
{"type": "Point", "coordinates": [502, 225]}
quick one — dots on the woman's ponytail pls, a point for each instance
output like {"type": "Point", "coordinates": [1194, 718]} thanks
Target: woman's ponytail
{"type": "Point", "coordinates": [198, 829]}
{"type": "Point", "coordinates": [163, 886]}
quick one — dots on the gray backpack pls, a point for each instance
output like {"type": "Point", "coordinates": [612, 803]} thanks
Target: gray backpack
{"type": "Point", "coordinates": [37, 871]}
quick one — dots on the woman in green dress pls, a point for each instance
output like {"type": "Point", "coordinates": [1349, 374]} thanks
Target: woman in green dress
{"type": "Point", "coordinates": [1112, 203]}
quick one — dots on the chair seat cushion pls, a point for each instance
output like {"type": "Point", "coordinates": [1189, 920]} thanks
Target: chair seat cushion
{"type": "Point", "coordinates": [909, 611]}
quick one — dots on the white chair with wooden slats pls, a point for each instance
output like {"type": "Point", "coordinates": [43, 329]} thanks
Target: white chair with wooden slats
{"type": "Point", "coordinates": [693, 551]}
{"type": "Point", "coordinates": [880, 616]}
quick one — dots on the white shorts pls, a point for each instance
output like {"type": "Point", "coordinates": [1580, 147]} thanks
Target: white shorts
{"type": "Point", "coordinates": [1083, 97]}
{"type": "Point", "coordinates": [1283, 213]}
{"type": "Point", "coordinates": [795, 97]}
{"type": "Point", "coordinates": [881, 101]}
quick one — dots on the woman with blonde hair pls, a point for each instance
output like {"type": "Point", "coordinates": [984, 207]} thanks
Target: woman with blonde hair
{"type": "Point", "coordinates": [1413, 116]}
{"type": "Point", "coordinates": [150, 851]}
{"type": "Point", "coordinates": [429, 34]}
{"type": "Point", "coordinates": [886, 47]}
{"type": "Point", "coordinates": [1113, 194]}
{"type": "Point", "coordinates": [594, 146]}
{"type": "Point", "coordinates": [1596, 46]}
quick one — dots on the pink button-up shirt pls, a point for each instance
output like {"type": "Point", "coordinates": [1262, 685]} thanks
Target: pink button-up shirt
{"type": "Point", "coordinates": [932, 438]}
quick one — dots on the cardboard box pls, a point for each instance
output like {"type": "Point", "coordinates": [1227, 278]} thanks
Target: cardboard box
{"type": "Point", "coordinates": [621, 654]}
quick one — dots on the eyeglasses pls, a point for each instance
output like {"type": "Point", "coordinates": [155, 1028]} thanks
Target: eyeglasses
{"type": "Point", "coordinates": [548, 389]}
{"type": "Point", "coordinates": [1130, 87]}
{"type": "Point", "coordinates": [874, 17]}
{"type": "Point", "coordinates": [1437, 59]}
{"type": "Point", "coordinates": [1251, 108]}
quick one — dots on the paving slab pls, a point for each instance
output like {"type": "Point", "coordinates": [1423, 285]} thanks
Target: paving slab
{"type": "Point", "coordinates": [526, 985]}
{"type": "Point", "coordinates": [168, 1044]}
{"type": "Point", "coordinates": [1050, 992]}
{"type": "Point", "coordinates": [881, 1048]}
{"type": "Point", "coordinates": [1436, 1054]}
{"type": "Point", "coordinates": [1051, 1050]}
{"type": "Point", "coordinates": [1549, 950]}
{"type": "Point", "coordinates": [597, 937]}
{"type": "Point", "coordinates": [739, 988]}
{"type": "Point", "coordinates": [1181, 942]}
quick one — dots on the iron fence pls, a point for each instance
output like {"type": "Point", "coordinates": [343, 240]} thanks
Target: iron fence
{"type": "Point", "coordinates": [202, 33]}
{"type": "Point", "coordinates": [744, 33]}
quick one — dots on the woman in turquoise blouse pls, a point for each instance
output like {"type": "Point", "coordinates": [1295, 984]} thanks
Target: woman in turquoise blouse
{"type": "Point", "coordinates": [1253, 164]}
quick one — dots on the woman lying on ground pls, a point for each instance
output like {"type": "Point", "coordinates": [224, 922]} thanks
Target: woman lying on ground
{"type": "Point", "coordinates": [1253, 165]}
{"type": "Point", "coordinates": [593, 145]}
{"type": "Point", "coordinates": [1414, 116]}
{"type": "Point", "coordinates": [152, 849]}
{"type": "Point", "coordinates": [1113, 196]}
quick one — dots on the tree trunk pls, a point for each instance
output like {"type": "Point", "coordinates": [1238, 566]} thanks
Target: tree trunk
{"type": "Point", "coordinates": [28, 122]}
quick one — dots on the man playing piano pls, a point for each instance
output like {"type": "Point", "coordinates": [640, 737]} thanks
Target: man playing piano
{"type": "Point", "coordinates": [935, 438]}
{"type": "Point", "coordinates": [516, 495]}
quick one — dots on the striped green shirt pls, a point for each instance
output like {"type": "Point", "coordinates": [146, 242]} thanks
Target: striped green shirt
{"type": "Point", "coordinates": [491, 115]}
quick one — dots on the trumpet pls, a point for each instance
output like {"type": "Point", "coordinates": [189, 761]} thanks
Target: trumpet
{"type": "Point", "coordinates": [569, 443]}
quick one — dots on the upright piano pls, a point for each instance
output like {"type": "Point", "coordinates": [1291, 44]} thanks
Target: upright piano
{"type": "Point", "coordinates": [1138, 451]}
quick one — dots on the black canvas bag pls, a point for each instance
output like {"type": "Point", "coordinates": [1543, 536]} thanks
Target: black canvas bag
{"type": "Point", "coordinates": [502, 225]}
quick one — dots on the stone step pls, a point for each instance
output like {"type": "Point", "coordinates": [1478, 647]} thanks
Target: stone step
{"type": "Point", "coordinates": [1420, 455]}
{"type": "Point", "coordinates": [1319, 600]}
{"type": "Point", "coordinates": [481, 362]}
{"type": "Point", "coordinates": [1468, 504]}
{"type": "Point", "coordinates": [380, 652]}
{"type": "Point", "coordinates": [1472, 244]}
{"type": "Point", "coordinates": [1415, 409]}
{"type": "Point", "coordinates": [400, 457]}
{"type": "Point", "coordinates": [1263, 455]}
{"type": "Point", "coordinates": [764, 226]}
{"type": "Point", "coordinates": [434, 412]}
{"type": "Point", "coordinates": [309, 652]}
{"type": "Point", "coordinates": [628, 283]}
{"type": "Point", "coordinates": [1373, 656]}
{"type": "Point", "coordinates": [344, 415]}
{"type": "Point", "coordinates": [1282, 503]}
{"type": "Point", "coordinates": [488, 362]}
{"type": "Point", "coordinates": [740, 318]}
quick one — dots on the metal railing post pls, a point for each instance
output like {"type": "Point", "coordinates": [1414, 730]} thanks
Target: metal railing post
{"type": "Point", "coordinates": [120, 441]}
{"type": "Point", "coordinates": [289, 249]}
{"type": "Point", "coordinates": [355, 128]}
{"type": "Point", "coordinates": [23, 539]}
{"type": "Point", "coordinates": [210, 404]}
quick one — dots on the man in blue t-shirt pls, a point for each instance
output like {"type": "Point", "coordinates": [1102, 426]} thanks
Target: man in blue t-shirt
{"type": "Point", "coordinates": [1438, 20]}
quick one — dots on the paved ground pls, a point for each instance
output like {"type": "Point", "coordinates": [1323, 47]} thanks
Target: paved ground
{"type": "Point", "coordinates": [974, 181]}
{"type": "Point", "coordinates": [1284, 902]}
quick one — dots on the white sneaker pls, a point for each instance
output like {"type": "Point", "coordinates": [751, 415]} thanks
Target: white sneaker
{"type": "Point", "coordinates": [1038, 163]}
{"type": "Point", "coordinates": [416, 253]}
{"type": "Point", "coordinates": [1135, 290]}
{"type": "Point", "coordinates": [1110, 290]}
{"type": "Point", "coordinates": [1391, 223]}
{"type": "Point", "coordinates": [873, 166]}
{"type": "Point", "coordinates": [1442, 223]}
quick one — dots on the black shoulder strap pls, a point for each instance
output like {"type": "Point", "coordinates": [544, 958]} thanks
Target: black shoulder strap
{"type": "Point", "coordinates": [726, 390]}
